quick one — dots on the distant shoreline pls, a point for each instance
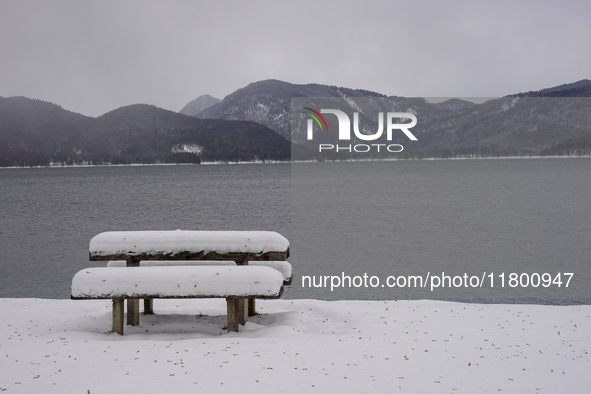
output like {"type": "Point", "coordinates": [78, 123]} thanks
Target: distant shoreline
{"type": "Point", "coordinates": [299, 161]}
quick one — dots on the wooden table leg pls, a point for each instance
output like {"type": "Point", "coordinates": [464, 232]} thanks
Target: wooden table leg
{"type": "Point", "coordinates": [118, 306]}
{"type": "Point", "coordinates": [243, 310]}
{"type": "Point", "coordinates": [148, 306]}
{"type": "Point", "coordinates": [232, 311]}
{"type": "Point", "coordinates": [244, 304]}
{"type": "Point", "coordinates": [251, 307]}
{"type": "Point", "coordinates": [133, 312]}
{"type": "Point", "coordinates": [133, 305]}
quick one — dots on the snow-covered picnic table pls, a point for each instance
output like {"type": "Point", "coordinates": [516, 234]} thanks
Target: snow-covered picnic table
{"type": "Point", "coordinates": [184, 246]}
{"type": "Point", "coordinates": [189, 245]}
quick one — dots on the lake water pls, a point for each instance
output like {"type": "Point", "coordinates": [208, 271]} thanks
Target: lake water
{"type": "Point", "coordinates": [405, 218]}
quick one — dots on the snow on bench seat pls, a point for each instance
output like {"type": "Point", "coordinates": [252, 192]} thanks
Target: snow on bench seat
{"type": "Point", "coordinates": [282, 266]}
{"type": "Point", "coordinates": [177, 282]}
{"type": "Point", "coordinates": [189, 245]}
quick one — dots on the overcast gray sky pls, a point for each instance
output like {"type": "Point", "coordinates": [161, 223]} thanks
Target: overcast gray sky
{"type": "Point", "coordinates": [94, 56]}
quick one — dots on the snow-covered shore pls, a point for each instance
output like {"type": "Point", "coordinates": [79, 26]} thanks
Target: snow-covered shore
{"type": "Point", "coordinates": [63, 346]}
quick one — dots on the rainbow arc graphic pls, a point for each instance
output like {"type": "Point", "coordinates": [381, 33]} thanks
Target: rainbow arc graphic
{"type": "Point", "coordinates": [316, 115]}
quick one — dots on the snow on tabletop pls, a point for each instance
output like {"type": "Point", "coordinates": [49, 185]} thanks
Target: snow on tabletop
{"type": "Point", "coordinates": [296, 346]}
{"type": "Point", "coordinates": [170, 242]}
{"type": "Point", "coordinates": [282, 266]}
{"type": "Point", "coordinates": [214, 281]}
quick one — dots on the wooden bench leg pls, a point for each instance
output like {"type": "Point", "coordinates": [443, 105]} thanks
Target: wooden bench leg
{"type": "Point", "coordinates": [233, 311]}
{"type": "Point", "coordinates": [243, 311]}
{"type": "Point", "coordinates": [133, 312]}
{"type": "Point", "coordinates": [251, 307]}
{"type": "Point", "coordinates": [133, 305]}
{"type": "Point", "coordinates": [118, 307]}
{"type": "Point", "coordinates": [148, 306]}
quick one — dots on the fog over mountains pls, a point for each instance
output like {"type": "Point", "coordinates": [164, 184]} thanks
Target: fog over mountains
{"type": "Point", "coordinates": [253, 124]}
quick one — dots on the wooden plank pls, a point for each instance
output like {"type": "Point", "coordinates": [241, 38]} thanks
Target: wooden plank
{"type": "Point", "coordinates": [232, 314]}
{"type": "Point", "coordinates": [234, 256]}
{"type": "Point", "coordinates": [164, 296]}
{"type": "Point", "coordinates": [118, 307]}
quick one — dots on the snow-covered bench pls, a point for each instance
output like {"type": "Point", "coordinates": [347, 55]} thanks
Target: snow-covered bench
{"type": "Point", "coordinates": [178, 245]}
{"type": "Point", "coordinates": [233, 283]}
{"type": "Point", "coordinates": [282, 266]}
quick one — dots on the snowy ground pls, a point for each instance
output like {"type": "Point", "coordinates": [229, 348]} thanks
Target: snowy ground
{"type": "Point", "coordinates": [63, 346]}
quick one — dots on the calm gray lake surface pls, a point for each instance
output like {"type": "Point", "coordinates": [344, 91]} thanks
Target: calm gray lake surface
{"type": "Point", "coordinates": [438, 218]}
{"type": "Point", "coordinates": [406, 218]}
{"type": "Point", "coordinates": [49, 215]}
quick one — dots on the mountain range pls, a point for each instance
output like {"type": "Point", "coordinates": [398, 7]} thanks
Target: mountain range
{"type": "Point", "coordinates": [269, 102]}
{"type": "Point", "coordinates": [199, 104]}
{"type": "Point", "coordinates": [522, 124]}
{"type": "Point", "coordinates": [38, 133]}
{"type": "Point", "coordinates": [253, 124]}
